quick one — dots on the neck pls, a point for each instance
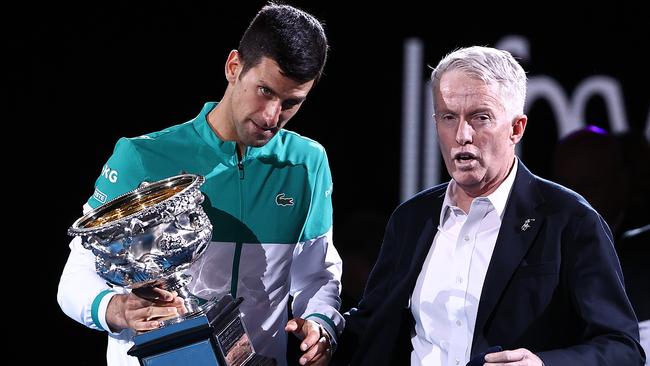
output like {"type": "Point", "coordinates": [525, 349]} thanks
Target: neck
{"type": "Point", "coordinates": [463, 196]}
{"type": "Point", "coordinates": [220, 121]}
{"type": "Point", "coordinates": [217, 120]}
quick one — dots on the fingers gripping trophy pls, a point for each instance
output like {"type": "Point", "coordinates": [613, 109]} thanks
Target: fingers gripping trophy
{"type": "Point", "coordinates": [146, 239]}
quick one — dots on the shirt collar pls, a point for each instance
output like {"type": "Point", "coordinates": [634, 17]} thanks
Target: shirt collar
{"type": "Point", "coordinates": [498, 198]}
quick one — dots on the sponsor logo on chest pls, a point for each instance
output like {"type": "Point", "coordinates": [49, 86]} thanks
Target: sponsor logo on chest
{"type": "Point", "coordinates": [109, 174]}
{"type": "Point", "coordinates": [282, 200]}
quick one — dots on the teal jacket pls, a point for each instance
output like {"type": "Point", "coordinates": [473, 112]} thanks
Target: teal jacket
{"type": "Point", "coordinates": [272, 237]}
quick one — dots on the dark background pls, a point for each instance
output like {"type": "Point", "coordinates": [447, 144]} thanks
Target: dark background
{"type": "Point", "coordinates": [82, 76]}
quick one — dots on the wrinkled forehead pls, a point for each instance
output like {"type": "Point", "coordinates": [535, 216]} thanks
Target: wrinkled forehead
{"type": "Point", "coordinates": [462, 87]}
{"type": "Point", "coordinates": [458, 82]}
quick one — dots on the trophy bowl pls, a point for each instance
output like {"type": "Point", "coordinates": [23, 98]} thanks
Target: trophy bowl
{"type": "Point", "coordinates": [148, 237]}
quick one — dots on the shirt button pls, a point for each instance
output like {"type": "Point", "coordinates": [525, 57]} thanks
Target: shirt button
{"type": "Point", "coordinates": [466, 238]}
{"type": "Point", "coordinates": [459, 323]}
{"type": "Point", "coordinates": [457, 362]}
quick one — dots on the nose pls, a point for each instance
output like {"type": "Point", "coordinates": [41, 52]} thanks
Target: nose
{"type": "Point", "coordinates": [271, 114]}
{"type": "Point", "coordinates": [464, 132]}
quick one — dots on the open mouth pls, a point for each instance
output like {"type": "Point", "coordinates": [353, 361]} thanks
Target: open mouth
{"type": "Point", "coordinates": [464, 157]}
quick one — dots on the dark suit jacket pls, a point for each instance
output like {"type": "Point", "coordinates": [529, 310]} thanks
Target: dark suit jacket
{"type": "Point", "coordinates": [555, 288]}
{"type": "Point", "coordinates": [633, 250]}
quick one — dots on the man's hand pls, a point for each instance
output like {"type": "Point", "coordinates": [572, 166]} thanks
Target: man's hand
{"type": "Point", "coordinates": [139, 314]}
{"type": "Point", "coordinates": [315, 344]}
{"type": "Point", "coordinates": [518, 357]}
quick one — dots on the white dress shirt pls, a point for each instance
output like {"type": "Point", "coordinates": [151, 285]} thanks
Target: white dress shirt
{"type": "Point", "coordinates": [445, 300]}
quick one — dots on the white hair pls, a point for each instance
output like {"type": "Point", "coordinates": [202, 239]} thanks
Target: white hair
{"type": "Point", "coordinates": [492, 66]}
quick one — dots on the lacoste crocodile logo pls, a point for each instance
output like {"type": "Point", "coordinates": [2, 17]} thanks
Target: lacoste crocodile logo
{"type": "Point", "coordinates": [281, 200]}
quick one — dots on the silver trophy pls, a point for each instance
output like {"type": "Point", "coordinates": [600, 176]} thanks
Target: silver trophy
{"type": "Point", "coordinates": [148, 237]}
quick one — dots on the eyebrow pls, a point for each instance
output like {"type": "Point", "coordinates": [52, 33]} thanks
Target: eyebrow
{"type": "Point", "coordinates": [477, 109]}
{"type": "Point", "coordinates": [481, 109]}
{"type": "Point", "coordinates": [295, 101]}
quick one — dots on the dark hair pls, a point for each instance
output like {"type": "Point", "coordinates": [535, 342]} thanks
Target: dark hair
{"type": "Point", "coordinates": [289, 36]}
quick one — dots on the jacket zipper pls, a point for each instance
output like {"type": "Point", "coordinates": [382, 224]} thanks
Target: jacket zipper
{"type": "Point", "coordinates": [234, 278]}
{"type": "Point", "coordinates": [240, 166]}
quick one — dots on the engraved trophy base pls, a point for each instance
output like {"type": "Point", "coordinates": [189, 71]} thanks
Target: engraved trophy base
{"type": "Point", "coordinates": [217, 336]}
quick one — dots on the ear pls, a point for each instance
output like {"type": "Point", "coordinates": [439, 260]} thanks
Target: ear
{"type": "Point", "coordinates": [233, 66]}
{"type": "Point", "coordinates": [518, 128]}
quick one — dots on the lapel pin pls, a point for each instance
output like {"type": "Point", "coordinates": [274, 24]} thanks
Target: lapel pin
{"type": "Point", "coordinates": [526, 224]}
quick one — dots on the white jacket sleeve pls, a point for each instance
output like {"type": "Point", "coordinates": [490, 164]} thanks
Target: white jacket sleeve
{"type": "Point", "coordinates": [83, 295]}
{"type": "Point", "coordinates": [316, 283]}
{"type": "Point", "coordinates": [316, 268]}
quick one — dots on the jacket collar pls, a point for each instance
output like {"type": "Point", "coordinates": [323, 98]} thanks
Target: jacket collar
{"type": "Point", "coordinates": [227, 149]}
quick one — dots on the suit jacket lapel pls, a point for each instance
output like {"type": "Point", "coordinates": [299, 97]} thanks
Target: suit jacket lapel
{"type": "Point", "coordinates": [426, 237]}
{"type": "Point", "coordinates": [424, 242]}
{"type": "Point", "coordinates": [515, 237]}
